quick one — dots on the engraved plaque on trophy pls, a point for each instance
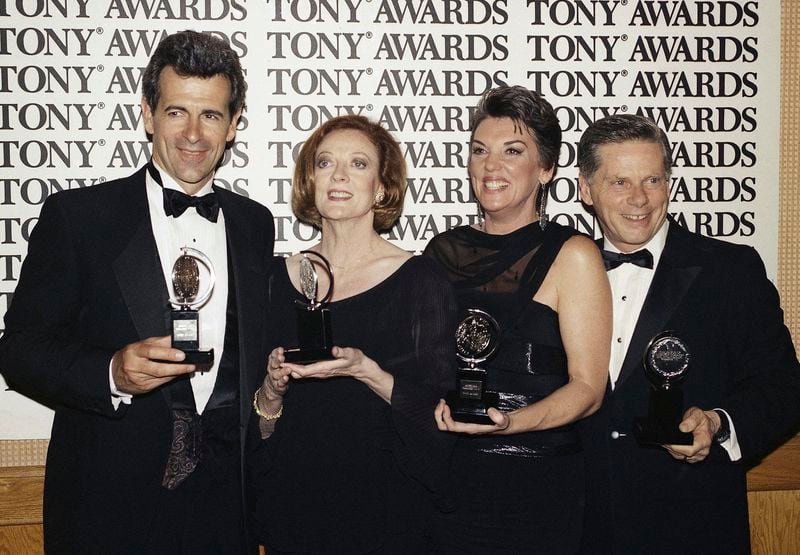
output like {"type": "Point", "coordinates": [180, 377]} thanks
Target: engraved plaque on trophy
{"type": "Point", "coordinates": [666, 361]}
{"type": "Point", "coordinates": [477, 337]}
{"type": "Point", "coordinates": [191, 288]}
{"type": "Point", "coordinates": [313, 318]}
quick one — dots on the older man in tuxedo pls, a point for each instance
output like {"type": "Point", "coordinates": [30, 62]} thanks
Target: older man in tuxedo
{"type": "Point", "coordinates": [742, 384]}
{"type": "Point", "coordinates": [146, 449]}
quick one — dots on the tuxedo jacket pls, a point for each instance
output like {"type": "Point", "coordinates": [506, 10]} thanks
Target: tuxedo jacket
{"type": "Point", "coordinates": [91, 284]}
{"type": "Point", "coordinates": [716, 297]}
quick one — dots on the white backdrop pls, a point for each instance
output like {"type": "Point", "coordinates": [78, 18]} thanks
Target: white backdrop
{"type": "Point", "coordinates": [707, 71]}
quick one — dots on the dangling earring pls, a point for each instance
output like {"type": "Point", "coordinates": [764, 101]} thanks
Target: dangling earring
{"type": "Point", "coordinates": [481, 221]}
{"type": "Point", "coordinates": [543, 192]}
{"type": "Point", "coordinates": [379, 196]}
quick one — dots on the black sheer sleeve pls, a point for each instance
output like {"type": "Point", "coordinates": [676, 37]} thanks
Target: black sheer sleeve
{"type": "Point", "coordinates": [424, 376]}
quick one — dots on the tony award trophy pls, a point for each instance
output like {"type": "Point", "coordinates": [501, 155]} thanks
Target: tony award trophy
{"type": "Point", "coordinates": [313, 319]}
{"type": "Point", "coordinates": [666, 361]}
{"type": "Point", "coordinates": [477, 337]}
{"type": "Point", "coordinates": [186, 281]}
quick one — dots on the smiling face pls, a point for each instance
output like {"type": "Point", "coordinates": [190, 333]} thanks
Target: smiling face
{"type": "Point", "coordinates": [190, 127]}
{"type": "Point", "coordinates": [629, 192]}
{"type": "Point", "coordinates": [505, 171]}
{"type": "Point", "coordinates": [346, 176]}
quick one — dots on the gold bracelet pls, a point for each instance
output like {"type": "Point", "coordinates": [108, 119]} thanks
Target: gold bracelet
{"type": "Point", "coordinates": [261, 414]}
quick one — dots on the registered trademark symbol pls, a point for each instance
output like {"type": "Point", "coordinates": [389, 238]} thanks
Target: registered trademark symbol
{"type": "Point", "coordinates": [369, 107]}
{"type": "Point", "coordinates": [101, 105]}
{"type": "Point", "coordinates": [369, 34]}
{"type": "Point", "coordinates": [102, 179]}
{"type": "Point", "coordinates": [102, 142]}
{"type": "Point", "coordinates": [99, 30]}
{"type": "Point", "coordinates": [624, 72]}
{"type": "Point", "coordinates": [623, 108]}
{"type": "Point", "coordinates": [100, 67]}
{"type": "Point", "coordinates": [624, 37]}
{"type": "Point", "coordinates": [369, 71]}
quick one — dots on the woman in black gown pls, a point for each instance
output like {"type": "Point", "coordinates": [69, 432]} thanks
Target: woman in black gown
{"type": "Point", "coordinates": [350, 458]}
{"type": "Point", "coordinates": [518, 483]}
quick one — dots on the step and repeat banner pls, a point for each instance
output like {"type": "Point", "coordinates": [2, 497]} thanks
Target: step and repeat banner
{"type": "Point", "coordinates": [707, 71]}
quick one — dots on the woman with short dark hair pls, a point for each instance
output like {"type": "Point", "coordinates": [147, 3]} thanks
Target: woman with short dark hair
{"type": "Point", "coordinates": [350, 458]}
{"type": "Point", "coordinates": [518, 480]}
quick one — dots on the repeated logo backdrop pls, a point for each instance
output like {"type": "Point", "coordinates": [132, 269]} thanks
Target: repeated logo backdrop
{"type": "Point", "coordinates": [706, 71]}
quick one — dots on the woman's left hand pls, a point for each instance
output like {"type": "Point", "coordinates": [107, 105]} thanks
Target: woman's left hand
{"type": "Point", "coordinates": [445, 422]}
{"type": "Point", "coordinates": [348, 361]}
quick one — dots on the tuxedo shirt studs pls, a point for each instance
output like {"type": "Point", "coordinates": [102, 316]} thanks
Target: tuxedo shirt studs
{"type": "Point", "coordinates": [629, 286]}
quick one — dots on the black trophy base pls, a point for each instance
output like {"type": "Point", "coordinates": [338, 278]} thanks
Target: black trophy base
{"type": "Point", "coordinates": [307, 356]}
{"type": "Point", "coordinates": [472, 411]}
{"type": "Point", "coordinates": [664, 415]}
{"type": "Point", "coordinates": [649, 434]}
{"type": "Point", "coordinates": [200, 358]}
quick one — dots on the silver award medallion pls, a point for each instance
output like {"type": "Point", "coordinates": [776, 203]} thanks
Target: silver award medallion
{"type": "Point", "coordinates": [476, 337]}
{"type": "Point", "coordinates": [308, 280]}
{"type": "Point", "coordinates": [185, 279]}
{"type": "Point", "coordinates": [666, 360]}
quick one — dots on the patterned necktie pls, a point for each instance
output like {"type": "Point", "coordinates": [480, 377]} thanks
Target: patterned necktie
{"type": "Point", "coordinates": [186, 449]}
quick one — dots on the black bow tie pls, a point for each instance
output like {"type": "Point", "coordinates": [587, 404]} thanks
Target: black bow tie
{"type": "Point", "coordinates": [643, 258]}
{"type": "Point", "coordinates": [176, 202]}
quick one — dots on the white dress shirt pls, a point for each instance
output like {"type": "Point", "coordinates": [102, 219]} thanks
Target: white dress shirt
{"type": "Point", "coordinates": [629, 286]}
{"type": "Point", "coordinates": [192, 230]}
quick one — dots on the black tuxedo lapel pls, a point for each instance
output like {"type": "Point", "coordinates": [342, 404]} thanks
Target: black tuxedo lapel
{"type": "Point", "coordinates": [138, 270]}
{"type": "Point", "coordinates": [674, 275]}
{"type": "Point", "coordinates": [243, 253]}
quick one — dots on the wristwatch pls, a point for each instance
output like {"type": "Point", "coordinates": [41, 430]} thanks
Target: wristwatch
{"type": "Point", "coordinates": [723, 433]}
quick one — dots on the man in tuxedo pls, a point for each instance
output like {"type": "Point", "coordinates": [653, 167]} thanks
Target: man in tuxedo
{"type": "Point", "coordinates": [742, 385]}
{"type": "Point", "coordinates": [146, 449]}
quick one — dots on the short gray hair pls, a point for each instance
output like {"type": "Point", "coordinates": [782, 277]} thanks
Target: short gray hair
{"type": "Point", "coordinates": [616, 129]}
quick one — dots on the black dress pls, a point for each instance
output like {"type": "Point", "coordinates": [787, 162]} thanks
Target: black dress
{"type": "Point", "coordinates": [524, 492]}
{"type": "Point", "coordinates": [344, 471]}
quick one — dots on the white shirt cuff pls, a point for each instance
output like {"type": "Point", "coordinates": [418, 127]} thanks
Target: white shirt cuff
{"type": "Point", "coordinates": [117, 396]}
{"type": "Point", "coordinates": [731, 445]}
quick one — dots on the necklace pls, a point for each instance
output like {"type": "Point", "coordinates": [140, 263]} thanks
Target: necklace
{"type": "Point", "coordinates": [353, 264]}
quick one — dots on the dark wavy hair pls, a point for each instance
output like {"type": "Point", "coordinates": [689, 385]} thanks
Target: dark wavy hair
{"type": "Point", "coordinates": [525, 108]}
{"type": "Point", "coordinates": [391, 171]}
{"type": "Point", "coordinates": [193, 54]}
{"type": "Point", "coordinates": [615, 129]}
